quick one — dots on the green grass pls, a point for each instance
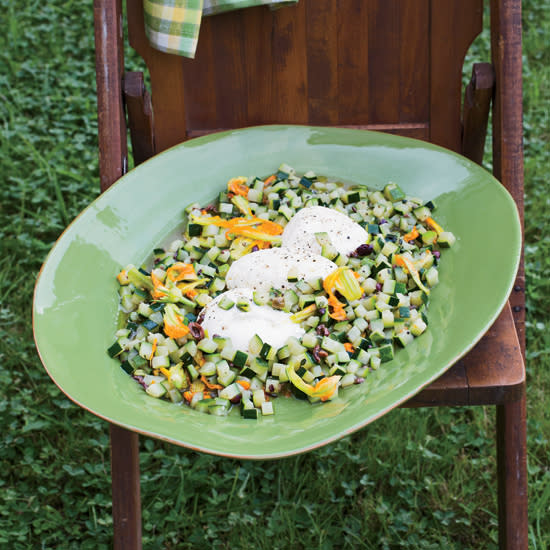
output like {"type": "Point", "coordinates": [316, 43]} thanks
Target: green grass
{"type": "Point", "coordinates": [537, 263]}
{"type": "Point", "coordinates": [413, 479]}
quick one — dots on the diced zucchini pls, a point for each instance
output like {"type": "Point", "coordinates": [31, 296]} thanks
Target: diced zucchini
{"type": "Point", "coordinates": [127, 367]}
{"type": "Point", "coordinates": [115, 350]}
{"type": "Point", "coordinates": [272, 385]}
{"type": "Point", "coordinates": [432, 276]}
{"type": "Point", "coordinates": [290, 299]}
{"type": "Point", "coordinates": [251, 413]}
{"type": "Point", "coordinates": [337, 370]}
{"type": "Point", "coordinates": [231, 391]}
{"type": "Point", "coordinates": [217, 410]}
{"type": "Point", "coordinates": [255, 195]}
{"type": "Point", "coordinates": [303, 287]}
{"type": "Point", "coordinates": [260, 298]}
{"type": "Point", "coordinates": [352, 197]}
{"type": "Point", "coordinates": [202, 299]}
{"type": "Point", "coordinates": [388, 286]}
{"type": "Point", "coordinates": [422, 213]}
{"type": "Point", "coordinates": [156, 390]}
{"type": "Point", "coordinates": [158, 362]}
{"type": "Point", "coordinates": [347, 380]}
{"type": "Point", "coordinates": [267, 408]}
{"type": "Point", "coordinates": [268, 352]}
{"type": "Point", "coordinates": [258, 397]}
{"type": "Point", "coordinates": [369, 285]}
{"type": "Point", "coordinates": [418, 327]}
{"type": "Point", "coordinates": [283, 353]}
{"type": "Point", "coordinates": [388, 318]}
{"type": "Point", "coordinates": [446, 239]}
{"type": "Point", "coordinates": [389, 248]}
{"type": "Point", "coordinates": [373, 228]}
{"type": "Point", "coordinates": [385, 353]}
{"type": "Point", "coordinates": [144, 309]}
{"type": "Point", "coordinates": [239, 358]}
{"type": "Point", "coordinates": [208, 369]}
{"type": "Point", "coordinates": [404, 312]}
{"type": "Point", "coordinates": [309, 340]}
{"type": "Point", "coordinates": [286, 211]}
{"type": "Point", "coordinates": [315, 284]}
{"type": "Point", "coordinates": [306, 182]}
{"type": "Point", "coordinates": [330, 345]}
{"type": "Point", "coordinates": [294, 346]}
{"type": "Point", "coordinates": [429, 237]}
{"type": "Point", "coordinates": [246, 372]}
{"type": "Point", "coordinates": [255, 345]}
{"type": "Point", "coordinates": [193, 373]}
{"type": "Point", "coordinates": [243, 304]}
{"type": "Point", "coordinates": [393, 192]}
{"type": "Point", "coordinates": [207, 345]}
{"type": "Point", "coordinates": [226, 303]}
{"type": "Point", "coordinates": [279, 370]}
{"type": "Point", "coordinates": [292, 274]}
{"type": "Point", "coordinates": [199, 398]}
{"type": "Point", "coordinates": [146, 350]}
{"type": "Point", "coordinates": [308, 376]}
{"type": "Point", "coordinates": [405, 338]}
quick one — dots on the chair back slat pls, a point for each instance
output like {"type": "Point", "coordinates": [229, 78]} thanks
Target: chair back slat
{"type": "Point", "coordinates": [389, 65]}
{"type": "Point", "coordinates": [454, 25]}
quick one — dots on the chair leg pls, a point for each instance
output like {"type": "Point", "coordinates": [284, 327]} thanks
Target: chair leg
{"type": "Point", "coordinates": [512, 475]}
{"type": "Point", "coordinates": [125, 489]}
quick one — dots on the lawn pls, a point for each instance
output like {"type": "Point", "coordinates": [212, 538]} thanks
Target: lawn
{"type": "Point", "coordinates": [413, 479]}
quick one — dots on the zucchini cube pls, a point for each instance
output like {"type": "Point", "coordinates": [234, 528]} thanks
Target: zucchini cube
{"type": "Point", "coordinates": [240, 358]}
{"type": "Point", "coordinates": [385, 353]}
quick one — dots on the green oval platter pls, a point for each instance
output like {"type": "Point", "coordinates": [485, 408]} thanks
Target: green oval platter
{"type": "Point", "coordinates": [76, 300]}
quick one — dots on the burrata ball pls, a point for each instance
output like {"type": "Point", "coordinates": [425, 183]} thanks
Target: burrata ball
{"type": "Point", "coordinates": [271, 325]}
{"type": "Point", "coordinates": [269, 268]}
{"type": "Point", "coordinates": [345, 235]}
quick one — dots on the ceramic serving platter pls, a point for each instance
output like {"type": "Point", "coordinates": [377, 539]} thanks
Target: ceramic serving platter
{"type": "Point", "coordinates": [76, 300]}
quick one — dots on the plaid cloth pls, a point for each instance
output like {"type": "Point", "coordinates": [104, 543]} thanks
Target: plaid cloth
{"type": "Point", "coordinates": [172, 26]}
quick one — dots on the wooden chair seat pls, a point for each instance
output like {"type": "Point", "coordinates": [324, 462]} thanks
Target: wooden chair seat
{"type": "Point", "coordinates": [388, 65]}
{"type": "Point", "coordinates": [492, 373]}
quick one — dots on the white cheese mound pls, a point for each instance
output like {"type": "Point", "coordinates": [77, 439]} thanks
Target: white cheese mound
{"type": "Point", "coordinates": [269, 268]}
{"type": "Point", "coordinates": [271, 325]}
{"type": "Point", "coordinates": [345, 235]}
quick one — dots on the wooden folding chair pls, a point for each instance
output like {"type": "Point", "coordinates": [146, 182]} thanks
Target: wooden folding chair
{"type": "Point", "coordinates": [387, 65]}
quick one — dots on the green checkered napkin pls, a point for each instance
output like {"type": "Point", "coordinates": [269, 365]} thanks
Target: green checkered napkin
{"type": "Point", "coordinates": [172, 26]}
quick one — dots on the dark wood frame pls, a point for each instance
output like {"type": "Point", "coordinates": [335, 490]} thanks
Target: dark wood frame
{"type": "Point", "coordinates": [479, 378]}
